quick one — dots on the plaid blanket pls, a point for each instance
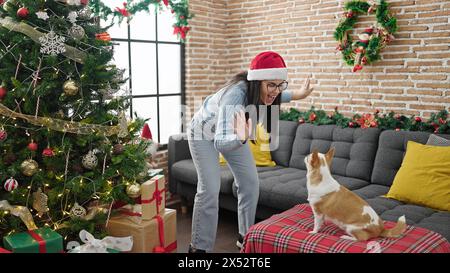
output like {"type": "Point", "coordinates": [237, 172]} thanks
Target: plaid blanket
{"type": "Point", "coordinates": [288, 232]}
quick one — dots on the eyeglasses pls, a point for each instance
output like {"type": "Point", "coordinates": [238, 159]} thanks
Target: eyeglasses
{"type": "Point", "coordinates": [271, 86]}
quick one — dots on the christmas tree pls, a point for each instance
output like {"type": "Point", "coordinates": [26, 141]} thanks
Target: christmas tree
{"type": "Point", "coordinates": [68, 150]}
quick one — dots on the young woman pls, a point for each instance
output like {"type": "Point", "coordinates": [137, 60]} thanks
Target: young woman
{"type": "Point", "coordinates": [220, 125]}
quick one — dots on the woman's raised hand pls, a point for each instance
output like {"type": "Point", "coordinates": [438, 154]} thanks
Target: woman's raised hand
{"type": "Point", "coordinates": [304, 91]}
{"type": "Point", "coordinates": [242, 128]}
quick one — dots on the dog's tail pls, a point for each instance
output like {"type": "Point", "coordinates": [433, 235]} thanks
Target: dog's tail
{"type": "Point", "coordinates": [397, 230]}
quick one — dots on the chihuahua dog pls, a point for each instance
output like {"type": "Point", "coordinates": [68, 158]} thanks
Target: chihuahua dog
{"type": "Point", "coordinates": [332, 202]}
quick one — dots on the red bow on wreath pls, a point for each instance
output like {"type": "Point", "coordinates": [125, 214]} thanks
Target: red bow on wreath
{"type": "Point", "coordinates": [181, 30]}
{"type": "Point", "coordinates": [123, 10]}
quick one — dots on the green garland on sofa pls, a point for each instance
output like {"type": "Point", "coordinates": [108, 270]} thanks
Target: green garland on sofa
{"type": "Point", "coordinates": [437, 123]}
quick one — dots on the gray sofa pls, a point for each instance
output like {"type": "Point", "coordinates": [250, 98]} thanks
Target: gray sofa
{"type": "Point", "coordinates": [366, 162]}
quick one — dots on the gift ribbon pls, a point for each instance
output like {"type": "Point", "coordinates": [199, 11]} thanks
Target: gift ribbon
{"type": "Point", "coordinates": [93, 245]}
{"type": "Point", "coordinates": [157, 195]}
{"type": "Point", "coordinates": [161, 248]}
{"type": "Point", "coordinates": [38, 239]}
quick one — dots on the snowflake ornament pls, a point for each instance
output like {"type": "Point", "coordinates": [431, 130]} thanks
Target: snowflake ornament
{"type": "Point", "coordinates": [72, 17]}
{"type": "Point", "coordinates": [42, 15]}
{"type": "Point", "coordinates": [52, 44]}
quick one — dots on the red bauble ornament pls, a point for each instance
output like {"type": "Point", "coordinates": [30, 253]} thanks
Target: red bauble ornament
{"type": "Point", "coordinates": [11, 184]}
{"type": "Point", "coordinates": [182, 17]}
{"type": "Point", "coordinates": [301, 121]}
{"type": "Point", "coordinates": [3, 92]}
{"type": "Point", "coordinates": [48, 152]}
{"type": "Point", "coordinates": [349, 14]}
{"type": "Point", "coordinates": [84, 2]}
{"type": "Point", "coordinates": [441, 121]}
{"type": "Point", "coordinates": [3, 135]}
{"type": "Point", "coordinates": [418, 119]}
{"type": "Point", "coordinates": [357, 67]}
{"type": "Point", "coordinates": [351, 124]}
{"type": "Point", "coordinates": [397, 129]}
{"type": "Point", "coordinates": [33, 146]}
{"type": "Point", "coordinates": [312, 117]}
{"type": "Point", "coordinates": [23, 12]}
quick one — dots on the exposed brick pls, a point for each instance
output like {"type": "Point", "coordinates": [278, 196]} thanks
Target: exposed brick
{"type": "Point", "coordinates": [428, 107]}
{"type": "Point", "coordinates": [411, 77]}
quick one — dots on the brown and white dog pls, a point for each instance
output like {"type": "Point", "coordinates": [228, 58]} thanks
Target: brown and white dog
{"type": "Point", "coordinates": [332, 202]}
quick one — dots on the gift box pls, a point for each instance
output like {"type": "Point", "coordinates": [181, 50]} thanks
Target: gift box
{"type": "Point", "coordinates": [154, 172]}
{"type": "Point", "coordinates": [42, 240]}
{"type": "Point", "coordinates": [155, 235]}
{"type": "Point", "coordinates": [2, 250]}
{"type": "Point", "coordinates": [153, 197]}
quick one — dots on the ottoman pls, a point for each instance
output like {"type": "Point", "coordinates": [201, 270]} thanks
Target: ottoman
{"type": "Point", "coordinates": [288, 232]}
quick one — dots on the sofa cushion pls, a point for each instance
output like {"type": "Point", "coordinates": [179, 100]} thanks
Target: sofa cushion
{"type": "Point", "coordinates": [355, 148]}
{"type": "Point", "coordinates": [286, 138]}
{"type": "Point", "coordinates": [371, 191]}
{"type": "Point", "coordinates": [391, 210]}
{"type": "Point", "coordinates": [281, 188]}
{"type": "Point", "coordinates": [285, 187]}
{"type": "Point", "coordinates": [185, 171]}
{"type": "Point", "coordinates": [391, 149]}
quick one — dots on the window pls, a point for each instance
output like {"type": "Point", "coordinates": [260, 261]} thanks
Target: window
{"type": "Point", "coordinates": [154, 61]}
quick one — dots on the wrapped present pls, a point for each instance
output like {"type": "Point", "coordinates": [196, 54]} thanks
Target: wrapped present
{"type": "Point", "coordinates": [155, 172]}
{"type": "Point", "coordinates": [2, 250]}
{"type": "Point", "coordinates": [153, 198]}
{"type": "Point", "coordinates": [106, 245]}
{"type": "Point", "coordinates": [155, 235]}
{"type": "Point", "coordinates": [42, 240]}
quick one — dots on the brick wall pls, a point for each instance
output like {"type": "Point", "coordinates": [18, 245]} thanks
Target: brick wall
{"type": "Point", "coordinates": [413, 76]}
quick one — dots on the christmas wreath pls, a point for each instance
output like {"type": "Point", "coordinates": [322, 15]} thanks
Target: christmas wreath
{"type": "Point", "coordinates": [367, 49]}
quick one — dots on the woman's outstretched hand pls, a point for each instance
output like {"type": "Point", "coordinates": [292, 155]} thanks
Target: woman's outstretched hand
{"type": "Point", "coordinates": [304, 91]}
{"type": "Point", "coordinates": [242, 128]}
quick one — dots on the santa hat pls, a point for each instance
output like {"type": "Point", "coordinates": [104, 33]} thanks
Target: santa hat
{"type": "Point", "coordinates": [146, 133]}
{"type": "Point", "coordinates": [267, 65]}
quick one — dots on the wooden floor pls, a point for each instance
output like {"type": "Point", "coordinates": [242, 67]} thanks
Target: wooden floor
{"type": "Point", "coordinates": [227, 231]}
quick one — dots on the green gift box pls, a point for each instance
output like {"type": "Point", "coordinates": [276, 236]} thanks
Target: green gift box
{"type": "Point", "coordinates": [42, 240]}
{"type": "Point", "coordinates": [111, 250]}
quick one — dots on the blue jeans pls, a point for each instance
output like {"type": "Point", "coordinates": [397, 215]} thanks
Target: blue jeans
{"type": "Point", "coordinates": [206, 203]}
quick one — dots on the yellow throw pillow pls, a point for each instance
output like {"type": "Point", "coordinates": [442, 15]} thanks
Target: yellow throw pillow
{"type": "Point", "coordinates": [424, 177]}
{"type": "Point", "coordinates": [260, 149]}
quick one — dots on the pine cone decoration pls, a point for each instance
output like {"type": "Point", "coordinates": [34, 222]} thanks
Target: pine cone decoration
{"type": "Point", "coordinates": [118, 149]}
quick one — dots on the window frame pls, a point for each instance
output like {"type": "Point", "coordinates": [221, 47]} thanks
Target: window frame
{"type": "Point", "coordinates": [182, 93]}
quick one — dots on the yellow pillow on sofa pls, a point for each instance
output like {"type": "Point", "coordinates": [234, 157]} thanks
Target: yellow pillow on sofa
{"type": "Point", "coordinates": [424, 177]}
{"type": "Point", "coordinates": [260, 149]}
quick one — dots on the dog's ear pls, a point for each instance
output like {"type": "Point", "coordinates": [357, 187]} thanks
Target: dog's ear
{"type": "Point", "coordinates": [329, 156]}
{"type": "Point", "coordinates": [315, 160]}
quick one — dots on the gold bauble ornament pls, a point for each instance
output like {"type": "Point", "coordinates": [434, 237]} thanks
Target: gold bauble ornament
{"type": "Point", "coordinates": [9, 5]}
{"type": "Point", "coordinates": [29, 167]}
{"type": "Point", "coordinates": [134, 190]}
{"type": "Point", "coordinates": [90, 161]}
{"type": "Point", "coordinates": [70, 88]}
{"type": "Point", "coordinates": [77, 211]}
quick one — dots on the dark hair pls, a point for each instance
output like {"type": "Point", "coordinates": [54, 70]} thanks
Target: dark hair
{"type": "Point", "coordinates": [253, 97]}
